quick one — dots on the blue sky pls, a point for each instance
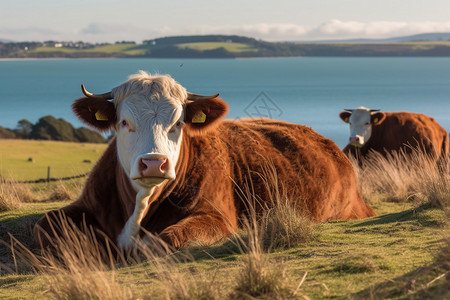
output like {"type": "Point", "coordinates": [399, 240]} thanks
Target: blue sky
{"type": "Point", "coordinates": [274, 20]}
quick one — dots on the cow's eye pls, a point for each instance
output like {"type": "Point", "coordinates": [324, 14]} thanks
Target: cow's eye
{"type": "Point", "coordinates": [177, 125]}
{"type": "Point", "coordinates": [124, 123]}
{"type": "Point", "coordinates": [367, 123]}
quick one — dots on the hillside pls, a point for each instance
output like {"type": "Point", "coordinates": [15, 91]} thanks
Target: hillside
{"type": "Point", "coordinates": [231, 46]}
{"type": "Point", "coordinates": [50, 128]}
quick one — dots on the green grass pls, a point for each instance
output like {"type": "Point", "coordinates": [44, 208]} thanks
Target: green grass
{"type": "Point", "coordinates": [231, 47]}
{"type": "Point", "coordinates": [129, 49]}
{"type": "Point", "coordinates": [390, 256]}
{"type": "Point", "coordinates": [65, 159]}
{"type": "Point", "coordinates": [349, 258]}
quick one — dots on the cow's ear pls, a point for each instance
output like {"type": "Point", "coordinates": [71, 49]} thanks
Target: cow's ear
{"type": "Point", "coordinates": [100, 114]}
{"type": "Point", "coordinates": [377, 118]}
{"type": "Point", "coordinates": [204, 114]}
{"type": "Point", "coordinates": [345, 116]}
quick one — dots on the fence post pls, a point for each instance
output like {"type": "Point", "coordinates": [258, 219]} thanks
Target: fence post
{"type": "Point", "coordinates": [48, 174]}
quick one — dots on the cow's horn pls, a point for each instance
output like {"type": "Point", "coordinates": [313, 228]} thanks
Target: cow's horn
{"type": "Point", "coordinates": [349, 110]}
{"type": "Point", "coordinates": [194, 97]}
{"type": "Point", "coordinates": [105, 96]}
{"type": "Point", "coordinates": [374, 110]}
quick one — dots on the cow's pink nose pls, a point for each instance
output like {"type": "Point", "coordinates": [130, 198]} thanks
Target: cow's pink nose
{"type": "Point", "coordinates": [150, 167]}
{"type": "Point", "coordinates": [354, 139]}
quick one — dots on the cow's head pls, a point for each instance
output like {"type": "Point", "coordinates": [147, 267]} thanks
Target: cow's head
{"type": "Point", "coordinates": [361, 121]}
{"type": "Point", "coordinates": [150, 114]}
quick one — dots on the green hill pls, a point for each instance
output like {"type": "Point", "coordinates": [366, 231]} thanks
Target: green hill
{"type": "Point", "coordinates": [50, 128]}
{"type": "Point", "coordinates": [221, 46]}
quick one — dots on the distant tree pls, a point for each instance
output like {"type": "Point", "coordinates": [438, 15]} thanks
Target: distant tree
{"type": "Point", "coordinates": [23, 129]}
{"type": "Point", "coordinates": [50, 128]}
{"type": "Point", "coordinates": [6, 133]}
{"type": "Point", "coordinates": [85, 135]}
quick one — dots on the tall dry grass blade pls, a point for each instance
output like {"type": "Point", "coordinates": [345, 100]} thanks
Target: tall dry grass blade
{"type": "Point", "coordinates": [258, 277]}
{"type": "Point", "coordinates": [402, 176]}
{"type": "Point", "coordinates": [76, 266]}
{"type": "Point", "coordinates": [191, 283]}
{"type": "Point", "coordinates": [13, 194]}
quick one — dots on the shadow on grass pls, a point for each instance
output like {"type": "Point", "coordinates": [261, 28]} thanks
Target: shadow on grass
{"type": "Point", "coordinates": [227, 250]}
{"type": "Point", "coordinates": [21, 227]}
{"type": "Point", "coordinates": [13, 279]}
{"type": "Point", "coordinates": [428, 282]}
{"type": "Point", "coordinates": [415, 214]}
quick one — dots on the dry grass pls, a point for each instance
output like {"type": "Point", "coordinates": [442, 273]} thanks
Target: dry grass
{"type": "Point", "coordinates": [402, 177]}
{"type": "Point", "coordinates": [287, 226]}
{"type": "Point", "coordinates": [284, 224]}
{"type": "Point", "coordinates": [13, 194]}
{"type": "Point", "coordinates": [259, 278]}
{"type": "Point", "coordinates": [414, 177]}
{"type": "Point", "coordinates": [280, 226]}
{"type": "Point", "coordinates": [177, 282]}
{"type": "Point", "coordinates": [60, 192]}
{"type": "Point", "coordinates": [75, 266]}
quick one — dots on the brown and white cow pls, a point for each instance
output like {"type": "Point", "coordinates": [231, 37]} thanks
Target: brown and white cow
{"type": "Point", "coordinates": [176, 169]}
{"type": "Point", "coordinates": [384, 132]}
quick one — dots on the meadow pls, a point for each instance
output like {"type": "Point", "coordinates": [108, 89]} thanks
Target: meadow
{"type": "Point", "coordinates": [124, 49]}
{"type": "Point", "coordinates": [230, 47]}
{"type": "Point", "coordinates": [403, 253]}
{"type": "Point", "coordinates": [64, 159]}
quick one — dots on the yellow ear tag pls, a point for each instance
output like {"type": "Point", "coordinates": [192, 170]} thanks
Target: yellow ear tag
{"type": "Point", "coordinates": [100, 116]}
{"type": "Point", "coordinates": [199, 117]}
{"type": "Point", "coordinates": [346, 120]}
{"type": "Point", "coordinates": [375, 120]}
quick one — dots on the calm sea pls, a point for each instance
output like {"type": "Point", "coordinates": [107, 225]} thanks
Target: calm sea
{"type": "Point", "coordinates": [310, 91]}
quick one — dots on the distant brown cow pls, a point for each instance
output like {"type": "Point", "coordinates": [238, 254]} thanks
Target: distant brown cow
{"type": "Point", "coordinates": [384, 132]}
{"type": "Point", "coordinates": [176, 168]}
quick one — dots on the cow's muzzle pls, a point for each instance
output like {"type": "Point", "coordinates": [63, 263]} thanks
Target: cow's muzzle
{"type": "Point", "coordinates": [357, 141]}
{"type": "Point", "coordinates": [151, 167]}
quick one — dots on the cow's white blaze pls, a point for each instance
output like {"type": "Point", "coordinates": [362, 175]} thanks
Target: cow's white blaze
{"type": "Point", "coordinates": [360, 126]}
{"type": "Point", "coordinates": [149, 133]}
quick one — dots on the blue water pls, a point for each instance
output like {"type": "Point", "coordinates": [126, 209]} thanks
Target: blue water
{"type": "Point", "coordinates": [310, 91]}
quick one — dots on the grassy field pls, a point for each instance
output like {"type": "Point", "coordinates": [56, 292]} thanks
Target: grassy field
{"type": "Point", "coordinates": [394, 255]}
{"type": "Point", "coordinates": [231, 47]}
{"type": "Point", "coordinates": [128, 49]}
{"type": "Point", "coordinates": [64, 159]}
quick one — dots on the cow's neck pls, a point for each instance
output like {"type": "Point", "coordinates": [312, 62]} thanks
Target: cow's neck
{"type": "Point", "coordinates": [165, 189]}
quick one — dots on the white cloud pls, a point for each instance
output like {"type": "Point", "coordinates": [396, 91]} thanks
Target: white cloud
{"type": "Point", "coordinates": [333, 29]}
{"type": "Point", "coordinates": [380, 29]}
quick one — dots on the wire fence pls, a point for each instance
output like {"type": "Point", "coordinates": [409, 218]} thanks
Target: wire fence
{"type": "Point", "coordinates": [44, 180]}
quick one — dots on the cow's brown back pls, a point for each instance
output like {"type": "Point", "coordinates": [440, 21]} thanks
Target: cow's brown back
{"type": "Point", "coordinates": [310, 169]}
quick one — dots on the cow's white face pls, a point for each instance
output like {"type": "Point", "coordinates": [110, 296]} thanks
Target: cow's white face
{"type": "Point", "coordinates": [361, 121]}
{"type": "Point", "coordinates": [149, 135]}
{"type": "Point", "coordinates": [150, 115]}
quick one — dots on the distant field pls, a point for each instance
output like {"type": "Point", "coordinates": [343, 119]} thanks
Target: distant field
{"type": "Point", "coordinates": [129, 49]}
{"type": "Point", "coordinates": [65, 159]}
{"type": "Point", "coordinates": [231, 47]}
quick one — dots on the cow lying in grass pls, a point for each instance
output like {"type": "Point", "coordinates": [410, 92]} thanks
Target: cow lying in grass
{"type": "Point", "coordinates": [178, 170]}
{"type": "Point", "coordinates": [384, 132]}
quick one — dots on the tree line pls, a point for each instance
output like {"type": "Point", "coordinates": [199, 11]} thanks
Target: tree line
{"type": "Point", "coordinates": [168, 47]}
{"type": "Point", "coordinates": [50, 128]}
